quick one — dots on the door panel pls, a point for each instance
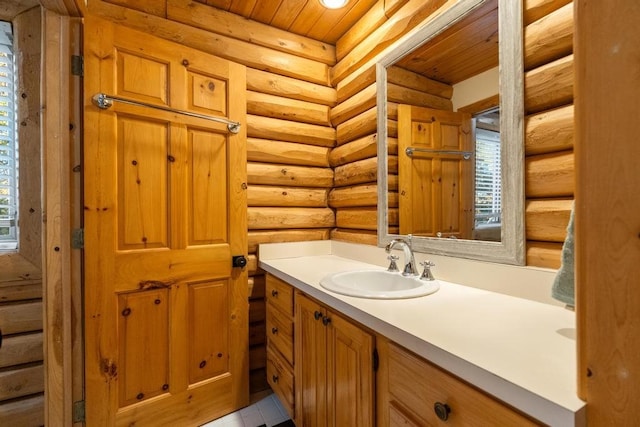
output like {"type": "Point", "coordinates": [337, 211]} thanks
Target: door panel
{"type": "Point", "coordinates": [207, 151]}
{"type": "Point", "coordinates": [142, 78]}
{"type": "Point", "coordinates": [208, 94]}
{"type": "Point", "coordinates": [142, 172]}
{"type": "Point", "coordinates": [143, 339]}
{"type": "Point", "coordinates": [165, 209]}
{"type": "Point", "coordinates": [208, 334]}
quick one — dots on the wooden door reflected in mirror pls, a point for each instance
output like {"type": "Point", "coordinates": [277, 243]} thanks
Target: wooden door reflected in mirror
{"type": "Point", "coordinates": [435, 172]}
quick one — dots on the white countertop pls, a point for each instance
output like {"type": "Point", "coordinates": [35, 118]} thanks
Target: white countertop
{"type": "Point", "coordinates": [521, 351]}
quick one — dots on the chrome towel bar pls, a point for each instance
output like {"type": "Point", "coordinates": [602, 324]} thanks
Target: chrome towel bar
{"type": "Point", "coordinates": [104, 101]}
{"type": "Point", "coordinates": [465, 154]}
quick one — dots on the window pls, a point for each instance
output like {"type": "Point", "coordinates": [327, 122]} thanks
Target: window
{"type": "Point", "coordinates": [488, 178]}
{"type": "Point", "coordinates": [8, 145]}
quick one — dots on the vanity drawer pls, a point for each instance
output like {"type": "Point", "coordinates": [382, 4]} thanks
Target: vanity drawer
{"type": "Point", "coordinates": [417, 387]}
{"type": "Point", "coordinates": [280, 378]}
{"type": "Point", "coordinates": [280, 332]}
{"type": "Point", "coordinates": [398, 418]}
{"type": "Point", "coordinates": [280, 294]}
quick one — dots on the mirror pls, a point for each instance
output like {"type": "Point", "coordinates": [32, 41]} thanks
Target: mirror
{"type": "Point", "coordinates": [451, 100]}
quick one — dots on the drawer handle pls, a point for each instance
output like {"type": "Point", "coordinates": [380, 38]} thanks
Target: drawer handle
{"type": "Point", "coordinates": [275, 378]}
{"type": "Point", "coordinates": [442, 410]}
{"type": "Point", "coordinates": [274, 331]}
{"type": "Point", "coordinates": [326, 320]}
{"type": "Point", "coordinates": [274, 293]}
{"type": "Point", "coordinates": [317, 315]}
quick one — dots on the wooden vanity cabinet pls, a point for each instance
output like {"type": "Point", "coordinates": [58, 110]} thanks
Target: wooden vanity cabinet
{"type": "Point", "coordinates": [413, 392]}
{"type": "Point", "coordinates": [279, 329]}
{"type": "Point", "coordinates": [334, 368]}
{"type": "Point", "coordinates": [321, 366]}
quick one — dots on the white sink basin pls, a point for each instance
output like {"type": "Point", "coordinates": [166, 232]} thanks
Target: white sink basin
{"type": "Point", "coordinates": [378, 284]}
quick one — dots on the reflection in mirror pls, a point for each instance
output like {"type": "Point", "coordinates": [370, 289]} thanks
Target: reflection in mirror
{"type": "Point", "coordinates": [452, 99]}
{"type": "Point", "coordinates": [487, 208]}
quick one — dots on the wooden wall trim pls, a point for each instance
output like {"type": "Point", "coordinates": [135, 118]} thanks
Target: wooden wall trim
{"type": "Point", "coordinates": [57, 230]}
{"type": "Point", "coordinates": [28, 40]}
{"type": "Point", "coordinates": [607, 204]}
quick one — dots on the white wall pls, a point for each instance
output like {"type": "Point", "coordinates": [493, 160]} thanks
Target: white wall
{"type": "Point", "coordinates": [477, 88]}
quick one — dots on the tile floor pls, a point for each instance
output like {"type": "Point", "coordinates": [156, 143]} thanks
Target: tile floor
{"type": "Point", "coordinates": [267, 411]}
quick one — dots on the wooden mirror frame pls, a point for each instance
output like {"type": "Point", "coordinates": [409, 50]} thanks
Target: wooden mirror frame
{"type": "Point", "coordinates": [511, 248]}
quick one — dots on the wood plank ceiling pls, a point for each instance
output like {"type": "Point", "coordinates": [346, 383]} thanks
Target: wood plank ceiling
{"type": "Point", "coordinates": [304, 17]}
{"type": "Point", "coordinates": [464, 50]}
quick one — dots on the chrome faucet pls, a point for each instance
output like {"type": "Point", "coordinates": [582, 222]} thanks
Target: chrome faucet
{"type": "Point", "coordinates": [409, 260]}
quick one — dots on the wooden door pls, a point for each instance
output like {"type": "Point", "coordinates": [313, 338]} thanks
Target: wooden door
{"type": "Point", "coordinates": [436, 187]}
{"type": "Point", "coordinates": [166, 315]}
{"type": "Point", "coordinates": [310, 363]}
{"type": "Point", "coordinates": [350, 390]}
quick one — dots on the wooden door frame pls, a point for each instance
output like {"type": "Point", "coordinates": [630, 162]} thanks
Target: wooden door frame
{"type": "Point", "coordinates": [61, 265]}
{"type": "Point", "coordinates": [607, 230]}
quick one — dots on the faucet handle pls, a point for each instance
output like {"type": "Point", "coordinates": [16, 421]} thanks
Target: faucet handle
{"type": "Point", "coordinates": [393, 267]}
{"type": "Point", "coordinates": [426, 273]}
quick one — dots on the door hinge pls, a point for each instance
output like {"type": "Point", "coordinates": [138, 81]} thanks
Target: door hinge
{"type": "Point", "coordinates": [77, 238]}
{"type": "Point", "coordinates": [77, 65]}
{"type": "Point", "coordinates": [78, 412]}
{"type": "Point", "coordinates": [376, 360]}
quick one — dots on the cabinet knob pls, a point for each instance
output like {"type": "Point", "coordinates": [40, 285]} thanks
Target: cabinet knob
{"type": "Point", "coordinates": [326, 320]}
{"type": "Point", "coordinates": [274, 293]}
{"type": "Point", "coordinates": [274, 331]}
{"type": "Point", "coordinates": [317, 315]}
{"type": "Point", "coordinates": [275, 378]}
{"type": "Point", "coordinates": [442, 410]}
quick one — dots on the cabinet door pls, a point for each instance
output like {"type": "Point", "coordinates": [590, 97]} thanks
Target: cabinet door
{"type": "Point", "coordinates": [350, 374]}
{"type": "Point", "coordinates": [310, 363]}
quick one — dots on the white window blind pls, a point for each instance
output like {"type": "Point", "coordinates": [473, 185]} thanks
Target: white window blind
{"type": "Point", "coordinates": [488, 178]}
{"type": "Point", "coordinates": [8, 145]}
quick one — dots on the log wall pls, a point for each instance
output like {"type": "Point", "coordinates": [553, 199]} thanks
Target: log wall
{"type": "Point", "coordinates": [21, 354]}
{"type": "Point", "coordinates": [549, 162]}
{"type": "Point", "coordinates": [549, 168]}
